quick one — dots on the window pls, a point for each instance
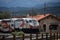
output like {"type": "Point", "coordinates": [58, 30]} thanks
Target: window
{"type": "Point", "coordinates": [0, 25]}
{"type": "Point", "coordinates": [30, 20]}
{"type": "Point", "coordinates": [19, 20]}
{"type": "Point", "coordinates": [8, 21]}
{"type": "Point", "coordinates": [53, 27]}
{"type": "Point", "coordinates": [26, 21]}
{"type": "Point", "coordinates": [44, 27]}
{"type": "Point", "coordinates": [12, 24]}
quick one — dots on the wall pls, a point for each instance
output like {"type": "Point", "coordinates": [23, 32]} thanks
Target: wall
{"type": "Point", "coordinates": [48, 21]}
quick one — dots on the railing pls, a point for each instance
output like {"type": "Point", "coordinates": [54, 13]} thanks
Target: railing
{"type": "Point", "coordinates": [42, 36]}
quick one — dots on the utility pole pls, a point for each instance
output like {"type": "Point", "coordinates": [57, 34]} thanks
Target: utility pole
{"type": "Point", "coordinates": [44, 6]}
{"type": "Point", "coordinates": [31, 13]}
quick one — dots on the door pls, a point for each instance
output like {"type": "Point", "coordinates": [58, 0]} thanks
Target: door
{"type": "Point", "coordinates": [44, 27]}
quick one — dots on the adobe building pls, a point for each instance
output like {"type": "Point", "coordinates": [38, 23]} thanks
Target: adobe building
{"type": "Point", "coordinates": [48, 22]}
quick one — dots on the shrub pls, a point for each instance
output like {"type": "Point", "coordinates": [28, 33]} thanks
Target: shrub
{"type": "Point", "coordinates": [18, 33]}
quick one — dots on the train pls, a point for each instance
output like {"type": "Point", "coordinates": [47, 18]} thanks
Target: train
{"type": "Point", "coordinates": [27, 25]}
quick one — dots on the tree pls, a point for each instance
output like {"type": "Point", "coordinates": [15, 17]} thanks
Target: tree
{"type": "Point", "coordinates": [1, 16]}
{"type": "Point", "coordinates": [5, 15]}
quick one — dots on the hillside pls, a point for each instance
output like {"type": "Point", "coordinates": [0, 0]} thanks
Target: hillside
{"type": "Point", "coordinates": [22, 11]}
{"type": "Point", "coordinates": [53, 10]}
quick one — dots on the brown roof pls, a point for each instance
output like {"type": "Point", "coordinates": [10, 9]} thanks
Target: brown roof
{"type": "Point", "coordinates": [38, 17]}
{"type": "Point", "coordinates": [42, 16]}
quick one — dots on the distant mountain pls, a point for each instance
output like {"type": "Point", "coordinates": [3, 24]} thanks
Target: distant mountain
{"type": "Point", "coordinates": [16, 11]}
{"type": "Point", "coordinates": [3, 8]}
{"type": "Point", "coordinates": [22, 11]}
{"type": "Point", "coordinates": [53, 10]}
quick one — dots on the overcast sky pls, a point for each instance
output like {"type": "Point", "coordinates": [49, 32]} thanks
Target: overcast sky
{"type": "Point", "coordinates": [24, 3]}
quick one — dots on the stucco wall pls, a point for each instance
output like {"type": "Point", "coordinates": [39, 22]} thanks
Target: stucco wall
{"type": "Point", "coordinates": [48, 21]}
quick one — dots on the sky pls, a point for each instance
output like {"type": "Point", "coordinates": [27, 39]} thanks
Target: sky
{"type": "Point", "coordinates": [24, 3]}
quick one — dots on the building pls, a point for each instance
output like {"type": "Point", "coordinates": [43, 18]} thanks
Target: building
{"type": "Point", "coordinates": [48, 23]}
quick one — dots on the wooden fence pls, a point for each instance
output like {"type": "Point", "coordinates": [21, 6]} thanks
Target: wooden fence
{"type": "Point", "coordinates": [52, 36]}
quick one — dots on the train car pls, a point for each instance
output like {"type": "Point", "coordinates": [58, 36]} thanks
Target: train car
{"type": "Point", "coordinates": [0, 25]}
{"type": "Point", "coordinates": [15, 23]}
{"type": "Point", "coordinates": [9, 25]}
{"type": "Point", "coordinates": [30, 25]}
{"type": "Point", "coordinates": [5, 26]}
{"type": "Point", "coordinates": [27, 25]}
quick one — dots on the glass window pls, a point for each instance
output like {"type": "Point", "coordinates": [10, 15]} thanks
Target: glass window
{"type": "Point", "coordinates": [53, 27]}
{"type": "Point", "coordinates": [0, 25]}
{"type": "Point", "coordinates": [6, 21]}
{"type": "Point", "coordinates": [30, 20]}
{"type": "Point", "coordinates": [26, 21]}
{"type": "Point", "coordinates": [18, 20]}
{"type": "Point", "coordinates": [12, 24]}
{"type": "Point", "coordinates": [34, 20]}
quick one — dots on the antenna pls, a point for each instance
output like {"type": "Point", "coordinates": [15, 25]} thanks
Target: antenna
{"type": "Point", "coordinates": [32, 12]}
{"type": "Point", "coordinates": [44, 6]}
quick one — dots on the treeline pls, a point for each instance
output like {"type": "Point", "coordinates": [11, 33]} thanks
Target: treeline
{"type": "Point", "coordinates": [5, 14]}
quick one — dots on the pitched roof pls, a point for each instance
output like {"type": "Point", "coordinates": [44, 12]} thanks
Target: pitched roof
{"type": "Point", "coordinates": [38, 17]}
{"type": "Point", "coordinates": [42, 16]}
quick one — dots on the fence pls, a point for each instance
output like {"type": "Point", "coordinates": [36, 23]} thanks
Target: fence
{"type": "Point", "coordinates": [43, 36]}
